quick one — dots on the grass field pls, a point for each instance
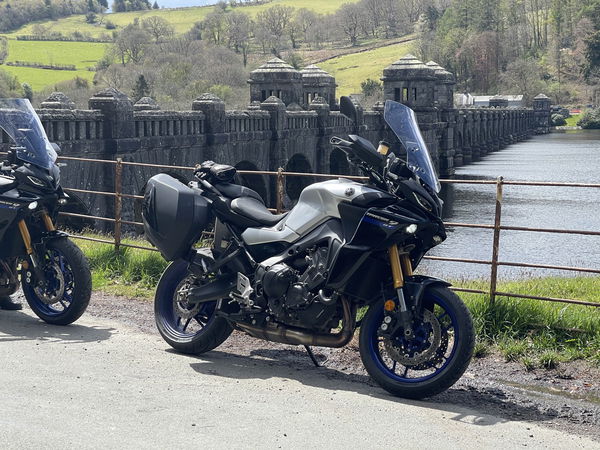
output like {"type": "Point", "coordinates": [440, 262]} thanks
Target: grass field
{"type": "Point", "coordinates": [572, 121]}
{"type": "Point", "coordinates": [80, 54]}
{"type": "Point", "coordinates": [350, 70]}
{"type": "Point", "coordinates": [182, 18]}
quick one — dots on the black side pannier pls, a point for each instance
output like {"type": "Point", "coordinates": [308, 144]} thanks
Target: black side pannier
{"type": "Point", "coordinates": [174, 215]}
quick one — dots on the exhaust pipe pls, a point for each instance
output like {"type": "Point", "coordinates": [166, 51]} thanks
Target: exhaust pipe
{"type": "Point", "coordinates": [297, 336]}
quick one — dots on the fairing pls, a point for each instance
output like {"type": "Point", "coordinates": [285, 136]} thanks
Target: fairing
{"type": "Point", "coordinates": [19, 120]}
{"type": "Point", "coordinates": [402, 121]}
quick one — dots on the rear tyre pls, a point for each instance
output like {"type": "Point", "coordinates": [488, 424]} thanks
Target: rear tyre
{"type": "Point", "coordinates": [188, 328]}
{"type": "Point", "coordinates": [68, 288]}
{"type": "Point", "coordinates": [429, 363]}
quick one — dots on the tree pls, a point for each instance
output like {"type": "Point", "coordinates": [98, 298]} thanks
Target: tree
{"type": "Point", "coordinates": [119, 6]}
{"type": "Point", "coordinates": [131, 43]}
{"type": "Point", "coordinates": [9, 85]}
{"type": "Point", "coordinates": [90, 17]}
{"type": "Point", "coordinates": [3, 49]}
{"type": "Point", "coordinates": [158, 27]}
{"type": "Point", "coordinates": [27, 91]}
{"type": "Point", "coordinates": [155, 5]}
{"type": "Point", "coordinates": [305, 20]}
{"type": "Point", "coordinates": [523, 76]}
{"type": "Point", "coordinates": [370, 87]}
{"type": "Point", "coordinates": [239, 33]}
{"type": "Point", "coordinates": [140, 89]}
{"type": "Point", "coordinates": [276, 21]}
{"type": "Point", "coordinates": [349, 20]}
{"type": "Point", "coordinates": [214, 24]}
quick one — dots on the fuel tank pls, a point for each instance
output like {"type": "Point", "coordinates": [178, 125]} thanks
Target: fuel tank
{"type": "Point", "coordinates": [317, 204]}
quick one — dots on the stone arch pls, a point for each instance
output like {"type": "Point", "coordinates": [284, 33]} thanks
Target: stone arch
{"type": "Point", "coordinates": [338, 162]}
{"type": "Point", "coordinates": [295, 184]}
{"type": "Point", "coordinates": [253, 181]}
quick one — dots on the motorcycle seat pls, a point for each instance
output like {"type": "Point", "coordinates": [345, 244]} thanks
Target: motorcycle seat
{"type": "Point", "coordinates": [253, 209]}
{"type": "Point", "coordinates": [7, 183]}
{"type": "Point", "coordinates": [233, 191]}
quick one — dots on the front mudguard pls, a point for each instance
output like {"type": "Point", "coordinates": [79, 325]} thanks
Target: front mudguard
{"type": "Point", "coordinates": [415, 286]}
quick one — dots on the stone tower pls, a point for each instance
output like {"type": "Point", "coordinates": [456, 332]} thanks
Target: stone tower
{"type": "Point", "coordinates": [276, 78]}
{"type": "Point", "coordinates": [541, 113]}
{"type": "Point", "coordinates": [409, 81]}
{"type": "Point", "coordinates": [317, 83]}
{"type": "Point", "coordinates": [445, 82]}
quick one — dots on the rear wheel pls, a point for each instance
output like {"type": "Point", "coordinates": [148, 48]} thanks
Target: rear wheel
{"type": "Point", "coordinates": [66, 292]}
{"type": "Point", "coordinates": [188, 328]}
{"type": "Point", "coordinates": [429, 362]}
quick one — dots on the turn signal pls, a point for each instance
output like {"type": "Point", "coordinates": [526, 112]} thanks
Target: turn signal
{"type": "Point", "coordinates": [389, 305]}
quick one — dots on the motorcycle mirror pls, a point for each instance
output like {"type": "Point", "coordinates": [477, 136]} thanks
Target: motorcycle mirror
{"type": "Point", "coordinates": [348, 108]}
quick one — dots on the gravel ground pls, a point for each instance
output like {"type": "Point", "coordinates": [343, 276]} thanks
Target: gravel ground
{"type": "Point", "coordinates": [566, 398]}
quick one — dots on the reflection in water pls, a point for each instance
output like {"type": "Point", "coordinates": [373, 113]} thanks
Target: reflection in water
{"type": "Point", "coordinates": [561, 157]}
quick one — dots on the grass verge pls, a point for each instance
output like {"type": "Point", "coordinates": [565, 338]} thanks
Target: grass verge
{"type": "Point", "coordinates": [538, 334]}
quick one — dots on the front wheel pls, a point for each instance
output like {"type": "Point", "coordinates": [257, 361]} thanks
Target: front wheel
{"type": "Point", "coordinates": [66, 292]}
{"type": "Point", "coordinates": [188, 328]}
{"type": "Point", "coordinates": [430, 361]}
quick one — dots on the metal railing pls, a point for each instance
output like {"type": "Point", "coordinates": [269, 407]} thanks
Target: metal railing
{"type": "Point", "coordinates": [281, 175]}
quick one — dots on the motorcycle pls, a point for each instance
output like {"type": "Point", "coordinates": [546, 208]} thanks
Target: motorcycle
{"type": "Point", "coordinates": [54, 274]}
{"type": "Point", "coordinates": [291, 278]}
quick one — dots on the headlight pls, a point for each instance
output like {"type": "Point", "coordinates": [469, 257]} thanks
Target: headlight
{"type": "Point", "coordinates": [36, 181]}
{"type": "Point", "coordinates": [32, 205]}
{"type": "Point", "coordinates": [423, 202]}
{"type": "Point", "coordinates": [411, 229]}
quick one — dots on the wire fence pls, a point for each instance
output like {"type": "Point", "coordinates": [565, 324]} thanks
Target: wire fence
{"type": "Point", "coordinates": [496, 228]}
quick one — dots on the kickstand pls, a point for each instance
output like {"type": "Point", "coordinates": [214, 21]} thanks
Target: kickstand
{"type": "Point", "coordinates": [312, 356]}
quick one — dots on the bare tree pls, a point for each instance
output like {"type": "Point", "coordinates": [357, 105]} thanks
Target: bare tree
{"type": "Point", "coordinates": [158, 27]}
{"type": "Point", "coordinates": [349, 19]}
{"type": "Point", "coordinates": [239, 33]}
{"type": "Point", "coordinates": [276, 21]}
{"type": "Point", "coordinates": [215, 25]}
{"type": "Point", "coordinates": [131, 43]}
{"type": "Point", "coordinates": [306, 19]}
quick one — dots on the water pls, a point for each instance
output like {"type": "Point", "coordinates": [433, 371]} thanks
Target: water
{"type": "Point", "coordinates": [560, 157]}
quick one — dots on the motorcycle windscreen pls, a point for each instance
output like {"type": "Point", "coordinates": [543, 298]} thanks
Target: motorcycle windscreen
{"type": "Point", "coordinates": [19, 120]}
{"type": "Point", "coordinates": [401, 119]}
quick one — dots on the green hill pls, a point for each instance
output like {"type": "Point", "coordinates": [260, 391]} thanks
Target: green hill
{"type": "Point", "coordinates": [181, 18]}
{"type": "Point", "coordinates": [80, 54]}
{"type": "Point", "coordinates": [351, 69]}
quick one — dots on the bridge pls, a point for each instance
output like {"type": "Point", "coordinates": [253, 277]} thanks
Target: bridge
{"type": "Point", "coordinates": [288, 123]}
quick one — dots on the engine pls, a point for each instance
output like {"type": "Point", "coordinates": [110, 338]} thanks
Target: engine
{"type": "Point", "coordinates": [292, 295]}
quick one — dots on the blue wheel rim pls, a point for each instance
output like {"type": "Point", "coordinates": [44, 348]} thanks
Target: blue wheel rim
{"type": "Point", "coordinates": [65, 302]}
{"type": "Point", "coordinates": [391, 372]}
{"type": "Point", "coordinates": [169, 319]}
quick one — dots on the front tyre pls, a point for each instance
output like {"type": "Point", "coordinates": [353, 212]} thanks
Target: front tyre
{"type": "Point", "coordinates": [433, 359]}
{"type": "Point", "coordinates": [66, 293]}
{"type": "Point", "coordinates": [188, 328]}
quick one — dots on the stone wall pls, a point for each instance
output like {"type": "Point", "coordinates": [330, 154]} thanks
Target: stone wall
{"type": "Point", "coordinates": [269, 134]}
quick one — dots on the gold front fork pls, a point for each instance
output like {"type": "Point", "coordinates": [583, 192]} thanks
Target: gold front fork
{"type": "Point", "coordinates": [401, 267]}
{"type": "Point", "coordinates": [26, 236]}
{"type": "Point", "coordinates": [48, 222]}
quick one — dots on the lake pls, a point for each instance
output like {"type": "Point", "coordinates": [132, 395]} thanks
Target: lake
{"type": "Point", "coordinates": [562, 157]}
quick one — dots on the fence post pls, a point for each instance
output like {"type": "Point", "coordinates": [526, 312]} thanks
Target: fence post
{"type": "Point", "coordinates": [118, 201]}
{"type": "Point", "coordinates": [496, 244]}
{"type": "Point", "coordinates": [280, 190]}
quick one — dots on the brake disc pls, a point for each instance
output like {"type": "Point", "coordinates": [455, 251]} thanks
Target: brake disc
{"type": "Point", "coordinates": [182, 307]}
{"type": "Point", "coordinates": [47, 296]}
{"type": "Point", "coordinates": [400, 353]}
